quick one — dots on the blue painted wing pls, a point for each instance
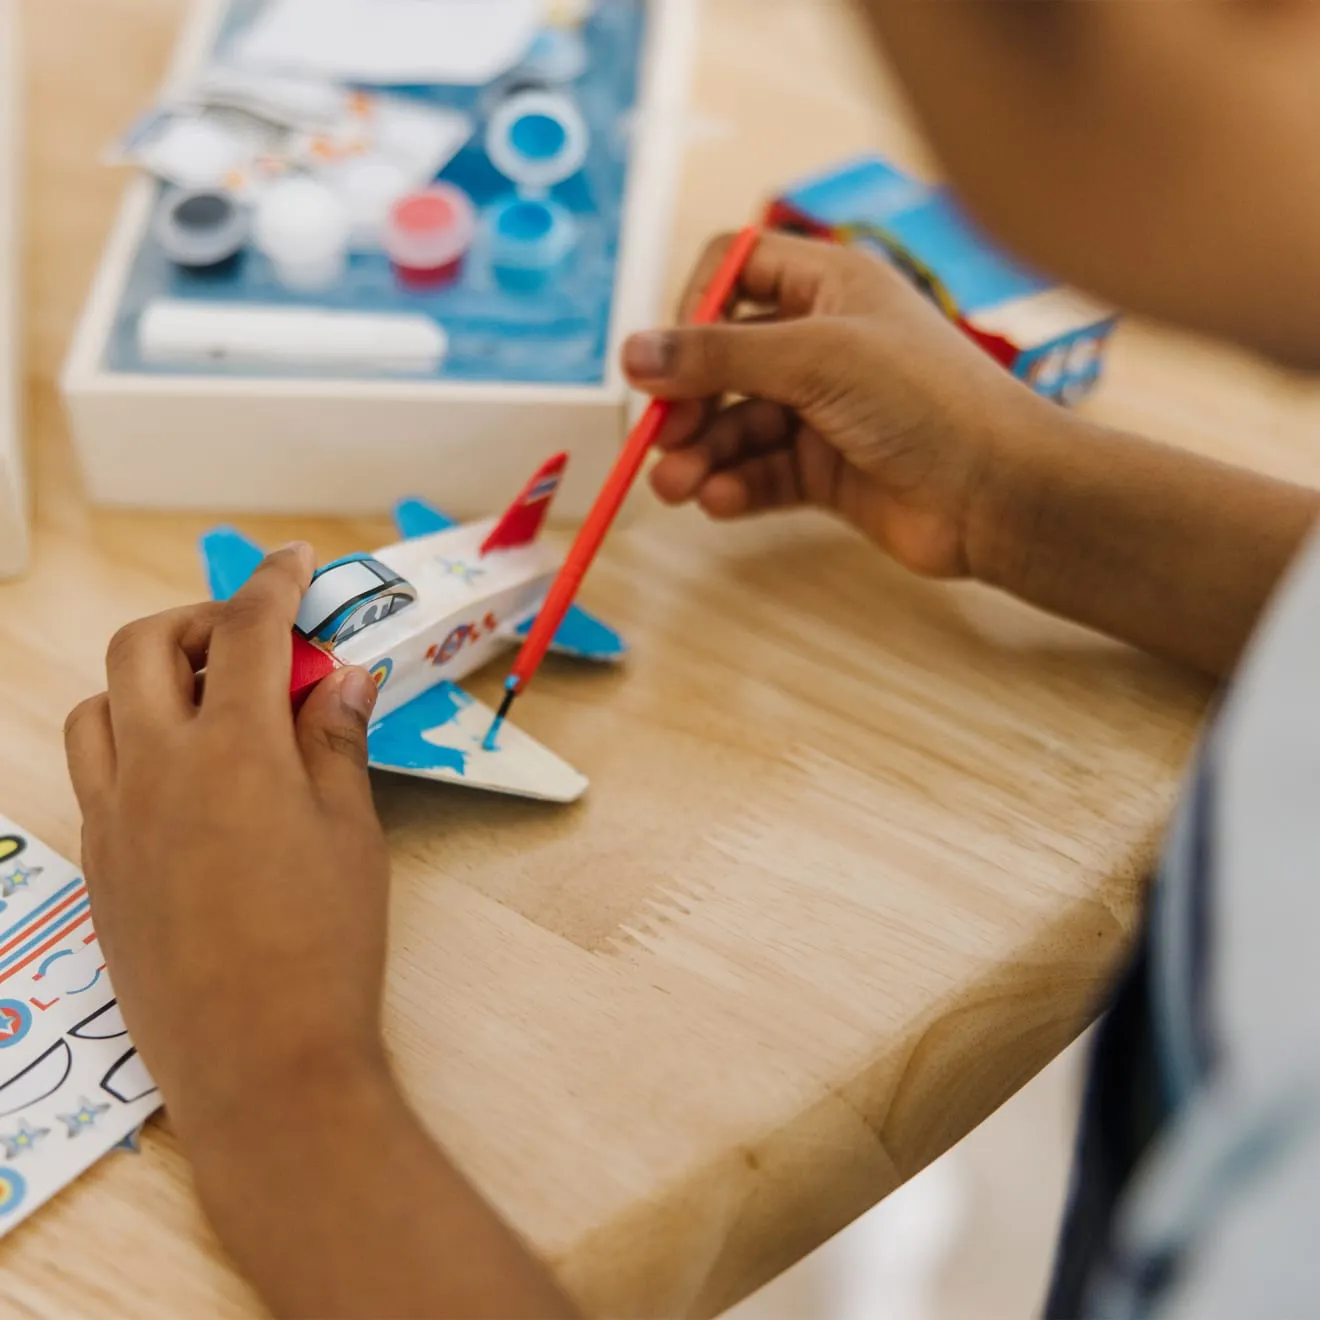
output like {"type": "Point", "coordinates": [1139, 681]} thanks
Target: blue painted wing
{"type": "Point", "coordinates": [583, 637]}
{"type": "Point", "coordinates": [416, 518]}
{"type": "Point", "coordinates": [230, 559]}
{"type": "Point", "coordinates": [439, 736]}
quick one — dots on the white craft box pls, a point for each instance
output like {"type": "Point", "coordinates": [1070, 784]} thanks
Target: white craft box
{"type": "Point", "coordinates": [13, 489]}
{"type": "Point", "coordinates": [353, 447]}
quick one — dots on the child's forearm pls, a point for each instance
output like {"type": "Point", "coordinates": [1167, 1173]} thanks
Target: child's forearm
{"type": "Point", "coordinates": [335, 1202]}
{"type": "Point", "coordinates": [1172, 552]}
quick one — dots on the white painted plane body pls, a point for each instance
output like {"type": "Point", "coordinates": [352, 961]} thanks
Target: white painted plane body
{"type": "Point", "coordinates": [466, 611]}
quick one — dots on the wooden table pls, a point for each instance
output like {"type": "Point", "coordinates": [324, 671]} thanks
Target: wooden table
{"type": "Point", "coordinates": [860, 851]}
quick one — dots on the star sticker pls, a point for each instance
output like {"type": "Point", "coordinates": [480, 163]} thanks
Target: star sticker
{"type": "Point", "coordinates": [131, 1144]}
{"type": "Point", "coordinates": [83, 1118]}
{"type": "Point", "coordinates": [465, 573]}
{"type": "Point", "coordinates": [19, 878]}
{"type": "Point", "coordinates": [12, 1024]}
{"type": "Point", "coordinates": [25, 1139]}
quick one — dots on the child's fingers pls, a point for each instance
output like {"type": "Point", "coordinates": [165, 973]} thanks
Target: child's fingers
{"type": "Point", "coordinates": [686, 419]}
{"type": "Point", "coordinates": [745, 429]}
{"type": "Point", "coordinates": [769, 481]}
{"type": "Point", "coordinates": [794, 363]}
{"type": "Point", "coordinates": [735, 434]}
{"type": "Point", "coordinates": [151, 667]}
{"type": "Point", "coordinates": [677, 478]}
{"type": "Point", "coordinates": [332, 735]}
{"type": "Point", "coordinates": [250, 658]}
{"type": "Point", "coordinates": [89, 747]}
{"type": "Point", "coordinates": [783, 271]}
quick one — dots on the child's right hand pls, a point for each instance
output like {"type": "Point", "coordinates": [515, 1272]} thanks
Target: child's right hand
{"type": "Point", "coordinates": [858, 396]}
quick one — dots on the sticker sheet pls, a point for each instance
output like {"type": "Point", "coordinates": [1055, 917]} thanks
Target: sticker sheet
{"type": "Point", "coordinates": [72, 1087]}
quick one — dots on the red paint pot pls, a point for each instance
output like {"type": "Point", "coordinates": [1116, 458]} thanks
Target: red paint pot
{"type": "Point", "coordinates": [428, 234]}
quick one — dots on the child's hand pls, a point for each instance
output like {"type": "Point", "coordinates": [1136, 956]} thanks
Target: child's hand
{"type": "Point", "coordinates": [860, 397]}
{"type": "Point", "coordinates": [236, 866]}
{"type": "Point", "coordinates": [238, 877]}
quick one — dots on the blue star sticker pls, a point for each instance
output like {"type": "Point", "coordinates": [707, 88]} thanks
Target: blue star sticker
{"type": "Point", "coordinates": [467, 574]}
{"type": "Point", "coordinates": [131, 1144]}
{"type": "Point", "coordinates": [19, 878]}
{"type": "Point", "coordinates": [25, 1139]}
{"type": "Point", "coordinates": [83, 1118]}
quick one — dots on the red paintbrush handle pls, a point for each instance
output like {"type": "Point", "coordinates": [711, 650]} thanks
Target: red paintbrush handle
{"type": "Point", "coordinates": [620, 482]}
{"type": "Point", "coordinates": [725, 280]}
{"type": "Point", "coordinates": [589, 540]}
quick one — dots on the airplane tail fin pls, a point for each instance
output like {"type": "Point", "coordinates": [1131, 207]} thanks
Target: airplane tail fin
{"type": "Point", "coordinates": [525, 519]}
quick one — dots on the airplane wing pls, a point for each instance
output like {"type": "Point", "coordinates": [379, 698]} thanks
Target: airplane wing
{"type": "Point", "coordinates": [230, 558]}
{"type": "Point", "coordinates": [416, 518]}
{"type": "Point", "coordinates": [440, 736]}
{"type": "Point", "coordinates": [581, 636]}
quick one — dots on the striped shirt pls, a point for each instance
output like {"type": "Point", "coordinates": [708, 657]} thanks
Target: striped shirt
{"type": "Point", "coordinates": [1196, 1185]}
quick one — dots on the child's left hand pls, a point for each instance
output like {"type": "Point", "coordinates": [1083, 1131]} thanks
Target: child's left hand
{"type": "Point", "coordinates": [237, 870]}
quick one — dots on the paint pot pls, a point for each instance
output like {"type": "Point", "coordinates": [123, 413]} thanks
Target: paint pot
{"type": "Point", "coordinates": [529, 240]}
{"type": "Point", "coordinates": [202, 230]}
{"type": "Point", "coordinates": [428, 234]}
{"type": "Point", "coordinates": [369, 186]}
{"type": "Point", "coordinates": [538, 139]}
{"type": "Point", "coordinates": [558, 55]}
{"type": "Point", "coordinates": [303, 227]}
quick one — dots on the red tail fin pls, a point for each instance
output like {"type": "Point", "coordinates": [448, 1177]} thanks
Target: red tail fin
{"type": "Point", "coordinates": [523, 522]}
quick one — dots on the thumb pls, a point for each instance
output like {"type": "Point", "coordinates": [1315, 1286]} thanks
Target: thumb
{"type": "Point", "coordinates": [788, 362]}
{"type": "Point", "coordinates": [332, 733]}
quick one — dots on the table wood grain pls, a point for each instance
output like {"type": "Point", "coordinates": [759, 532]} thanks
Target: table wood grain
{"type": "Point", "coordinates": [860, 853]}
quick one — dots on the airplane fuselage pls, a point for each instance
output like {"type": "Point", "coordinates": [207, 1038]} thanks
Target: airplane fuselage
{"type": "Point", "coordinates": [464, 614]}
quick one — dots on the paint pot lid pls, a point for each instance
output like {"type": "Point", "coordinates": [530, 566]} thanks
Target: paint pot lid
{"type": "Point", "coordinates": [537, 139]}
{"type": "Point", "coordinates": [301, 221]}
{"type": "Point", "coordinates": [431, 229]}
{"type": "Point", "coordinates": [201, 227]}
{"type": "Point", "coordinates": [527, 233]}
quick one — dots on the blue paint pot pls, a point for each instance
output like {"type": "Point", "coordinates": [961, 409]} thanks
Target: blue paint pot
{"type": "Point", "coordinates": [530, 240]}
{"type": "Point", "coordinates": [537, 139]}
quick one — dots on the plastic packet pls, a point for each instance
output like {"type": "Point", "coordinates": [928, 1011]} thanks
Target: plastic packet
{"type": "Point", "coordinates": [241, 131]}
{"type": "Point", "coordinates": [206, 148]}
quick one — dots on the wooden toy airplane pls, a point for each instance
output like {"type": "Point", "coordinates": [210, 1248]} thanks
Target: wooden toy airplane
{"type": "Point", "coordinates": [423, 614]}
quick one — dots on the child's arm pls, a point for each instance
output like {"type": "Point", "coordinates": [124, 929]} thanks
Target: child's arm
{"type": "Point", "coordinates": [1167, 550]}
{"type": "Point", "coordinates": [335, 1202]}
{"type": "Point", "coordinates": [239, 881]}
{"type": "Point", "coordinates": [860, 397]}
